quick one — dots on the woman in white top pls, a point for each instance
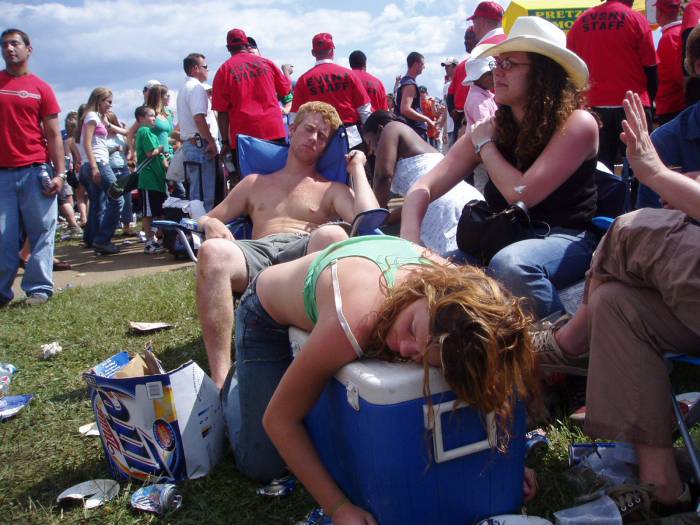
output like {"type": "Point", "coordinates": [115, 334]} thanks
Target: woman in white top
{"type": "Point", "coordinates": [117, 147]}
{"type": "Point", "coordinates": [97, 174]}
{"type": "Point", "coordinates": [403, 157]}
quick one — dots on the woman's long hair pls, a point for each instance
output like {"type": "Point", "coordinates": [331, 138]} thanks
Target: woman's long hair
{"type": "Point", "coordinates": [482, 333]}
{"type": "Point", "coordinates": [156, 99]}
{"type": "Point", "coordinates": [553, 98]}
{"type": "Point", "coordinates": [97, 96]}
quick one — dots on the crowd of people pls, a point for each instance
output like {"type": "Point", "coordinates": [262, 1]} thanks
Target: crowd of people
{"type": "Point", "coordinates": [528, 118]}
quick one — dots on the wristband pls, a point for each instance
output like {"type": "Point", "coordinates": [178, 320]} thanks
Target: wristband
{"type": "Point", "coordinates": [336, 508]}
{"type": "Point", "coordinates": [62, 175]}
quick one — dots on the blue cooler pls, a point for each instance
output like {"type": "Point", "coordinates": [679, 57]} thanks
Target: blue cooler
{"type": "Point", "coordinates": [372, 429]}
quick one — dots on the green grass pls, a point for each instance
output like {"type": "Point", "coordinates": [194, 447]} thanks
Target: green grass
{"type": "Point", "coordinates": [42, 453]}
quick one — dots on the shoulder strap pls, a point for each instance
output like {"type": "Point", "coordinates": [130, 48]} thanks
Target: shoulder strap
{"type": "Point", "coordinates": [339, 311]}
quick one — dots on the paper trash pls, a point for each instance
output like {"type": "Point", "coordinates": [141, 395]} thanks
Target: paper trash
{"type": "Point", "coordinates": [93, 493]}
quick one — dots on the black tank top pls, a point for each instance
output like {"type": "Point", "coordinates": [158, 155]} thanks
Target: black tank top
{"type": "Point", "coordinates": [417, 125]}
{"type": "Point", "coordinates": [571, 205]}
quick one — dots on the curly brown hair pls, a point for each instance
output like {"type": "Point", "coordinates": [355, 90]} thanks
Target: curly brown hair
{"type": "Point", "coordinates": [482, 333]}
{"type": "Point", "coordinates": [553, 98]}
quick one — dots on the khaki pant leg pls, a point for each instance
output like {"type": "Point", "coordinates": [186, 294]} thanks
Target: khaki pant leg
{"type": "Point", "coordinates": [657, 249]}
{"type": "Point", "coordinates": [628, 391]}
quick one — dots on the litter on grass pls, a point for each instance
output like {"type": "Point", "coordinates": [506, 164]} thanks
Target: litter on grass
{"type": "Point", "coordinates": [160, 498]}
{"type": "Point", "coordinates": [10, 405]}
{"type": "Point", "coordinates": [7, 370]}
{"type": "Point", "coordinates": [602, 511]}
{"type": "Point", "coordinates": [50, 350]}
{"type": "Point", "coordinates": [315, 517]}
{"type": "Point", "coordinates": [92, 493]}
{"type": "Point", "coordinates": [145, 328]}
{"type": "Point", "coordinates": [89, 430]}
{"type": "Point", "coordinates": [279, 487]}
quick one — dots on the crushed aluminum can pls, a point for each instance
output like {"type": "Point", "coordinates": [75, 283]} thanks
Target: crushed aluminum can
{"type": "Point", "coordinates": [536, 442]}
{"type": "Point", "coordinates": [279, 487]}
{"type": "Point", "coordinates": [50, 350]}
{"type": "Point", "coordinates": [316, 517]}
{"type": "Point", "coordinates": [10, 405]}
{"type": "Point", "coordinates": [7, 369]}
{"type": "Point", "coordinates": [160, 498]}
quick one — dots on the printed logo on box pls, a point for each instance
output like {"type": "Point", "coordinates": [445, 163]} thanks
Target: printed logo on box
{"type": "Point", "coordinates": [136, 450]}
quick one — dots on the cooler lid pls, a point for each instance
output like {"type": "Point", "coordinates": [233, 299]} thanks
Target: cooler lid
{"type": "Point", "coordinates": [381, 382]}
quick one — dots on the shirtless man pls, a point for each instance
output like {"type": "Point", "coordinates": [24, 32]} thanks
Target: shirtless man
{"type": "Point", "coordinates": [288, 209]}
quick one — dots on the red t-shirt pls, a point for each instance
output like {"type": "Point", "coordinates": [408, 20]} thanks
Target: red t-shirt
{"type": "Point", "coordinates": [691, 15]}
{"type": "Point", "coordinates": [335, 85]}
{"type": "Point", "coordinates": [616, 43]}
{"type": "Point", "coordinates": [375, 89]}
{"type": "Point", "coordinates": [246, 86]}
{"type": "Point", "coordinates": [24, 102]}
{"type": "Point", "coordinates": [670, 97]}
{"type": "Point", "coordinates": [456, 89]}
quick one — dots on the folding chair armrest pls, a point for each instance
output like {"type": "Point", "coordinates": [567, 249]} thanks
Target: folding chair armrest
{"type": "Point", "coordinates": [241, 228]}
{"type": "Point", "coordinates": [602, 223]}
{"type": "Point", "coordinates": [368, 222]}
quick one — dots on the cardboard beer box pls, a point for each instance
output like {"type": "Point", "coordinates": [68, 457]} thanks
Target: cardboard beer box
{"type": "Point", "coordinates": [156, 425]}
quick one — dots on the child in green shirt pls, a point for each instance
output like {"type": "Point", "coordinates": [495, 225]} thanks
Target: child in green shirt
{"type": "Point", "coordinates": [152, 176]}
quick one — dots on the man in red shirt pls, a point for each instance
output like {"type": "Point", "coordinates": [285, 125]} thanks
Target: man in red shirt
{"type": "Point", "coordinates": [616, 43]}
{"type": "Point", "coordinates": [373, 86]}
{"type": "Point", "coordinates": [691, 18]}
{"type": "Point", "coordinates": [333, 84]}
{"type": "Point", "coordinates": [245, 94]}
{"type": "Point", "coordinates": [30, 139]}
{"type": "Point", "coordinates": [670, 99]}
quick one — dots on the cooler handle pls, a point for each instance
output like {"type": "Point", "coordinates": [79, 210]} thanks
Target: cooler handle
{"type": "Point", "coordinates": [442, 455]}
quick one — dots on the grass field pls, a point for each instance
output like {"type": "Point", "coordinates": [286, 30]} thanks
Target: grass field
{"type": "Point", "coordinates": [42, 453]}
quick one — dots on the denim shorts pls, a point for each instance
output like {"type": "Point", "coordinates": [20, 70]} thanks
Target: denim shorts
{"type": "Point", "coordinates": [273, 249]}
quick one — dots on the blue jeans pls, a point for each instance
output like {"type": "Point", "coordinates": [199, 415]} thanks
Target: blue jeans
{"type": "Point", "coordinates": [122, 175]}
{"type": "Point", "coordinates": [536, 268]}
{"type": "Point", "coordinates": [262, 357]}
{"type": "Point", "coordinates": [208, 170]}
{"type": "Point", "coordinates": [104, 213]}
{"type": "Point", "coordinates": [24, 208]}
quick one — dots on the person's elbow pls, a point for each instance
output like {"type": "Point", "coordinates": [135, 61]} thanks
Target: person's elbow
{"type": "Point", "coordinates": [272, 423]}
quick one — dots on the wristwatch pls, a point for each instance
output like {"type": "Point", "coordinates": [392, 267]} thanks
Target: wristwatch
{"type": "Point", "coordinates": [62, 175]}
{"type": "Point", "coordinates": [481, 144]}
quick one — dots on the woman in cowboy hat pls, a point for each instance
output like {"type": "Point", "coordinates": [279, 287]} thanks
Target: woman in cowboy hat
{"type": "Point", "coordinates": [541, 149]}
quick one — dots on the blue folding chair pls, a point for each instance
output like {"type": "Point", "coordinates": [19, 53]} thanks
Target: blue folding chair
{"type": "Point", "coordinates": [263, 157]}
{"type": "Point", "coordinates": [687, 421]}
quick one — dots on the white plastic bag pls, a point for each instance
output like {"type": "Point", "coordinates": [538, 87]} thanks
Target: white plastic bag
{"type": "Point", "coordinates": [176, 169]}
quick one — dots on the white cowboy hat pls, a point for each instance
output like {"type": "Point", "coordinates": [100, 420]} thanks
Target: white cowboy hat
{"type": "Point", "coordinates": [532, 34]}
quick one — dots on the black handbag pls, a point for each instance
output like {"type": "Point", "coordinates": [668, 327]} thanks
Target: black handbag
{"type": "Point", "coordinates": [482, 232]}
{"type": "Point", "coordinates": [129, 183]}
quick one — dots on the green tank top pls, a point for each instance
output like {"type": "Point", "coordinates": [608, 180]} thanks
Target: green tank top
{"type": "Point", "coordinates": [387, 252]}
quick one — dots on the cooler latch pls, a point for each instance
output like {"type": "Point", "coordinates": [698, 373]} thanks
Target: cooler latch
{"type": "Point", "coordinates": [434, 423]}
{"type": "Point", "coordinates": [353, 395]}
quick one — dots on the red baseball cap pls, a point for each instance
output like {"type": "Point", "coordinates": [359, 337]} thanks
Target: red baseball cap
{"type": "Point", "coordinates": [236, 37]}
{"type": "Point", "coordinates": [668, 5]}
{"type": "Point", "coordinates": [322, 42]}
{"type": "Point", "coordinates": [490, 10]}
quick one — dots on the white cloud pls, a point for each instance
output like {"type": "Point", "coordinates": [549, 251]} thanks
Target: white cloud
{"type": "Point", "coordinates": [122, 43]}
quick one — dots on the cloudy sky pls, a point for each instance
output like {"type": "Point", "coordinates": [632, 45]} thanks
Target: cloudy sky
{"type": "Point", "coordinates": [83, 44]}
